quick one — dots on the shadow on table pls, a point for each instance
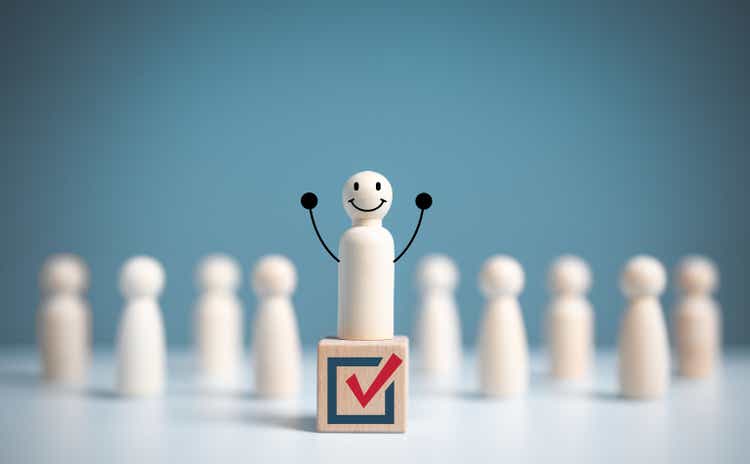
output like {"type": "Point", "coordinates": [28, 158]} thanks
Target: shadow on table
{"type": "Point", "coordinates": [101, 393]}
{"type": "Point", "coordinates": [587, 392]}
{"type": "Point", "coordinates": [202, 392]}
{"type": "Point", "coordinates": [471, 395]}
{"type": "Point", "coordinates": [268, 415]}
{"type": "Point", "coordinates": [604, 395]}
{"type": "Point", "coordinates": [302, 423]}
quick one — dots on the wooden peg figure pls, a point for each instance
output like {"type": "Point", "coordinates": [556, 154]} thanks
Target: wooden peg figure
{"type": "Point", "coordinates": [438, 324]}
{"type": "Point", "coordinates": [141, 341]}
{"type": "Point", "coordinates": [697, 318]}
{"type": "Point", "coordinates": [643, 349]}
{"type": "Point", "coordinates": [64, 320]}
{"type": "Point", "coordinates": [219, 321]}
{"type": "Point", "coordinates": [276, 346]}
{"type": "Point", "coordinates": [570, 319]}
{"type": "Point", "coordinates": [503, 348]}
{"type": "Point", "coordinates": [366, 256]}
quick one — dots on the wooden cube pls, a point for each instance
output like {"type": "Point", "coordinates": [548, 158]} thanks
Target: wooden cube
{"type": "Point", "coordinates": [363, 385]}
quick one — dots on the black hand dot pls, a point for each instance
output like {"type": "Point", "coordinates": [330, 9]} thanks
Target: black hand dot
{"type": "Point", "coordinates": [309, 200]}
{"type": "Point", "coordinates": [423, 201]}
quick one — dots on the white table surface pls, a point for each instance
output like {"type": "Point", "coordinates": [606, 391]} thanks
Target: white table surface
{"type": "Point", "coordinates": [698, 421]}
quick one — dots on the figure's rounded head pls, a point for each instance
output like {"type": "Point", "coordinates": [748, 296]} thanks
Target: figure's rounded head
{"type": "Point", "coordinates": [64, 273]}
{"type": "Point", "coordinates": [569, 274]}
{"type": "Point", "coordinates": [501, 275]}
{"type": "Point", "coordinates": [367, 195]}
{"type": "Point", "coordinates": [274, 275]}
{"type": "Point", "coordinates": [697, 275]}
{"type": "Point", "coordinates": [141, 277]}
{"type": "Point", "coordinates": [643, 276]}
{"type": "Point", "coordinates": [437, 272]}
{"type": "Point", "coordinates": [218, 272]}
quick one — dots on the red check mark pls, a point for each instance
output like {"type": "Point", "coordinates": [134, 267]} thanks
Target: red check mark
{"type": "Point", "coordinates": [385, 373]}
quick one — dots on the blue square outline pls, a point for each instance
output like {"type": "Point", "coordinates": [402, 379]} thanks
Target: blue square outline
{"type": "Point", "coordinates": [333, 418]}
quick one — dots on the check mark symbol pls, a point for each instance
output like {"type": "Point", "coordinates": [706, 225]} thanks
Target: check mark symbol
{"type": "Point", "coordinates": [385, 373]}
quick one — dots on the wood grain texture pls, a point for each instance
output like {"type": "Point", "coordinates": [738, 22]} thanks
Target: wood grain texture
{"type": "Point", "coordinates": [346, 402]}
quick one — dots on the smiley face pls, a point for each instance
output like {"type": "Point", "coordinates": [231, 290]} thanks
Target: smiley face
{"type": "Point", "coordinates": [367, 195]}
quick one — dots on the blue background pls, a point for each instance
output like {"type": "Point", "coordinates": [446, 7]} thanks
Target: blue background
{"type": "Point", "coordinates": [179, 131]}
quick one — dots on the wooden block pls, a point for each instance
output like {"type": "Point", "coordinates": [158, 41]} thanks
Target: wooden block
{"type": "Point", "coordinates": [363, 385]}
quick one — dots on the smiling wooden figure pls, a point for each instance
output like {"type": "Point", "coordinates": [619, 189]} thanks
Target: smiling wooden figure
{"type": "Point", "coordinates": [363, 374]}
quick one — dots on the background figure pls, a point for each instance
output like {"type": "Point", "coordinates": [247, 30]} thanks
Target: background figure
{"type": "Point", "coordinates": [141, 341]}
{"type": "Point", "coordinates": [438, 331]}
{"type": "Point", "coordinates": [64, 320]}
{"type": "Point", "coordinates": [570, 319]}
{"type": "Point", "coordinates": [276, 347]}
{"type": "Point", "coordinates": [643, 360]}
{"type": "Point", "coordinates": [219, 320]}
{"type": "Point", "coordinates": [503, 349]}
{"type": "Point", "coordinates": [697, 317]}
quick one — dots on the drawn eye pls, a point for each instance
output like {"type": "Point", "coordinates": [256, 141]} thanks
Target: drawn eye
{"type": "Point", "coordinates": [377, 185]}
{"type": "Point", "coordinates": [356, 186]}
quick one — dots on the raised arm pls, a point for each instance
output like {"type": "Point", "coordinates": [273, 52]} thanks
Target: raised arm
{"type": "Point", "coordinates": [309, 201]}
{"type": "Point", "coordinates": [423, 201]}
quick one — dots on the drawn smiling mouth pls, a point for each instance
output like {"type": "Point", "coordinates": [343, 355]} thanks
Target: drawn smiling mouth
{"type": "Point", "coordinates": [382, 202]}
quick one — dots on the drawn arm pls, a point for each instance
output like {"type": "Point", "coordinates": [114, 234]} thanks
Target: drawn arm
{"type": "Point", "coordinates": [309, 201]}
{"type": "Point", "coordinates": [423, 201]}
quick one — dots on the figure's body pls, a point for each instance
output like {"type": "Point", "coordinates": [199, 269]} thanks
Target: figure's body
{"type": "Point", "coordinates": [63, 339]}
{"type": "Point", "coordinates": [141, 341]}
{"type": "Point", "coordinates": [570, 328]}
{"type": "Point", "coordinates": [643, 361]}
{"type": "Point", "coordinates": [64, 320]}
{"type": "Point", "coordinates": [366, 257]}
{"type": "Point", "coordinates": [697, 319]}
{"type": "Point", "coordinates": [366, 283]}
{"type": "Point", "coordinates": [438, 325]}
{"type": "Point", "coordinates": [219, 321]}
{"type": "Point", "coordinates": [276, 345]}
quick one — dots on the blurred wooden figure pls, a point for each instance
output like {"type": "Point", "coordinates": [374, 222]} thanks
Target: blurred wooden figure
{"type": "Point", "coordinates": [644, 348]}
{"type": "Point", "coordinates": [697, 318]}
{"type": "Point", "coordinates": [570, 329]}
{"type": "Point", "coordinates": [219, 321]}
{"type": "Point", "coordinates": [141, 343]}
{"type": "Point", "coordinates": [503, 349]}
{"type": "Point", "coordinates": [438, 325]}
{"type": "Point", "coordinates": [64, 320]}
{"type": "Point", "coordinates": [276, 344]}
